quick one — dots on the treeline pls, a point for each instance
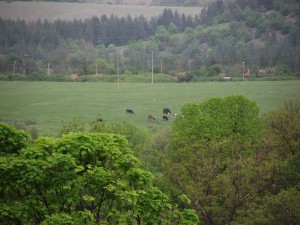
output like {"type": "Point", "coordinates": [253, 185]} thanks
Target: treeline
{"type": "Point", "coordinates": [53, 42]}
{"type": "Point", "coordinates": [97, 30]}
{"type": "Point", "coordinates": [262, 34]}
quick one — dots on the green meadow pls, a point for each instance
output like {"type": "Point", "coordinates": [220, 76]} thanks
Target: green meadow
{"type": "Point", "coordinates": [50, 104]}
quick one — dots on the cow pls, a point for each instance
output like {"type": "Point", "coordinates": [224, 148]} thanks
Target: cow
{"type": "Point", "coordinates": [165, 118]}
{"type": "Point", "coordinates": [151, 117]}
{"type": "Point", "coordinates": [166, 111]}
{"type": "Point", "coordinates": [130, 111]}
{"type": "Point", "coordinates": [99, 119]}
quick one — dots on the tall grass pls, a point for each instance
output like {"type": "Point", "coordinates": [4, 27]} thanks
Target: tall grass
{"type": "Point", "coordinates": [51, 103]}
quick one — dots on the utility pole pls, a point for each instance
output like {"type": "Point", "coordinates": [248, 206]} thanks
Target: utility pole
{"type": "Point", "coordinates": [14, 68]}
{"type": "Point", "coordinates": [48, 70]}
{"type": "Point", "coordinates": [96, 69]}
{"type": "Point", "coordinates": [243, 70]}
{"type": "Point", "coordinates": [152, 67]}
{"type": "Point", "coordinates": [118, 73]}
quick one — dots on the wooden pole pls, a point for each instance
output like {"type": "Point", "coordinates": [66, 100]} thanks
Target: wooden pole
{"type": "Point", "coordinates": [14, 68]}
{"type": "Point", "coordinates": [118, 73]}
{"type": "Point", "coordinates": [152, 67]}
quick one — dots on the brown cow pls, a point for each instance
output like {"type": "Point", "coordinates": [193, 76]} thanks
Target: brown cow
{"type": "Point", "coordinates": [151, 117]}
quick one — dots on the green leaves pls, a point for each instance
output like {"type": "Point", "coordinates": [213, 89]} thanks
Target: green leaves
{"type": "Point", "coordinates": [153, 206]}
{"type": "Point", "coordinates": [283, 131]}
{"type": "Point", "coordinates": [218, 118]}
{"type": "Point", "coordinates": [12, 140]}
{"type": "Point", "coordinates": [211, 158]}
{"type": "Point", "coordinates": [139, 177]}
{"type": "Point", "coordinates": [80, 178]}
{"type": "Point", "coordinates": [189, 217]}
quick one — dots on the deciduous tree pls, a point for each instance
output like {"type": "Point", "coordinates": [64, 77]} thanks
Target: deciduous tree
{"type": "Point", "coordinates": [211, 160]}
{"type": "Point", "coordinates": [80, 178]}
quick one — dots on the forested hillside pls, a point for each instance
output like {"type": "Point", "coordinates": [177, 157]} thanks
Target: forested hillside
{"type": "Point", "coordinates": [235, 38]}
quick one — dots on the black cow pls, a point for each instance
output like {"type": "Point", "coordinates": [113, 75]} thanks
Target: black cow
{"type": "Point", "coordinates": [166, 111]}
{"type": "Point", "coordinates": [165, 118]}
{"type": "Point", "coordinates": [130, 111]}
{"type": "Point", "coordinates": [99, 119]}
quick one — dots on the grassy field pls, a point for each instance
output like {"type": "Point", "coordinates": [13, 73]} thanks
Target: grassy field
{"type": "Point", "coordinates": [32, 11]}
{"type": "Point", "coordinates": [50, 103]}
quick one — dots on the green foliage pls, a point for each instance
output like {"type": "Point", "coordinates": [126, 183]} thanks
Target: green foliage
{"type": "Point", "coordinates": [214, 70]}
{"type": "Point", "coordinates": [292, 105]}
{"type": "Point", "coordinates": [104, 67]}
{"type": "Point", "coordinates": [172, 28]}
{"type": "Point", "coordinates": [282, 208]}
{"type": "Point", "coordinates": [283, 127]}
{"type": "Point", "coordinates": [161, 34]}
{"type": "Point", "coordinates": [233, 171]}
{"type": "Point", "coordinates": [80, 178]}
{"type": "Point", "coordinates": [137, 136]}
{"type": "Point", "coordinates": [75, 125]}
{"type": "Point", "coordinates": [281, 139]}
{"type": "Point", "coordinates": [12, 140]}
{"type": "Point", "coordinates": [69, 219]}
{"type": "Point", "coordinates": [189, 217]}
{"type": "Point", "coordinates": [253, 18]}
{"type": "Point", "coordinates": [219, 118]}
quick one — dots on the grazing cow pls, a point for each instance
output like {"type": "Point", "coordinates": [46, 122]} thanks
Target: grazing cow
{"type": "Point", "coordinates": [166, 111]}
{"type": "Point", "coordinates": [151, 117]}
{"type": "Point", "coordinates": [130, 111]}
{"type": "Point", "coordinates": [99, 119]}
{"type": "Point", "coordinates": [165, 118]}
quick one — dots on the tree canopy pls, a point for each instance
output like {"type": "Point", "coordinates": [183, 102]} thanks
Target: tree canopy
{"type": "Point", "coordinates": [79, 178]}
{"type": "Point", "coordinates": [233, 170]}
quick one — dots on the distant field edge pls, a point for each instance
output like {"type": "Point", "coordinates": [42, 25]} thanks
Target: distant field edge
{"type": "Point", "coordinates": [51, 11]}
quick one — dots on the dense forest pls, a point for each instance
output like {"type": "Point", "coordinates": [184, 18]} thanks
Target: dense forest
{"type": "Point", "coordinates": [256, 38]}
